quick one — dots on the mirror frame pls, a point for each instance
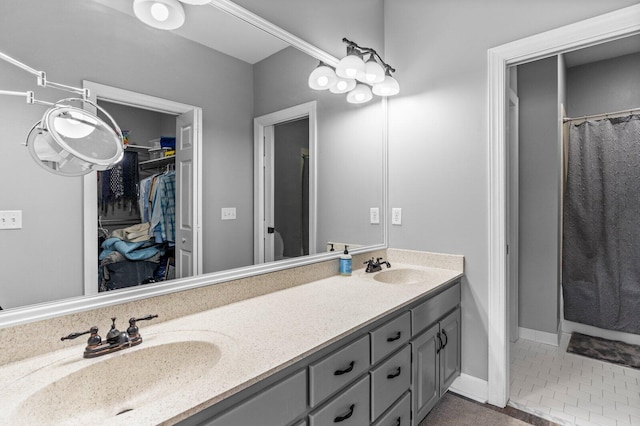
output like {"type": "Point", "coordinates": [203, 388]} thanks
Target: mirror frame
{"type": "Point", "coordinates": [42, 311]}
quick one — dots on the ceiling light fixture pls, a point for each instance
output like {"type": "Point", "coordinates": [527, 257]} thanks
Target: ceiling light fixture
{"type": "Point", "coordinates": [70, 140]}
{"type": "Point", "coordinates": [373, 75]}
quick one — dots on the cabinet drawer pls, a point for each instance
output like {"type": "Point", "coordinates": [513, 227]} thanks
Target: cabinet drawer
{"type": "Point", "coordinates": [390, 380]}
{"type": "Point", "coordinates": [390, 336]}
{"type": "Point", "coordinates": [289, 396]}
{"type": "Point", "coordinates": [399, 414]}
{"type": "Point", "coordinates": [425, 314]}
{"type": "Point", "coordinates": [338, 369]}
{"type": "Point", "coordinates": [350, 408]}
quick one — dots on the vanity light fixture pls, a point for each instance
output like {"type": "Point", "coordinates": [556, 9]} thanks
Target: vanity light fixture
{"type": "Point", "coordinates": [70, 140]}
{"type": "Point", "coordinates": [358, 78]}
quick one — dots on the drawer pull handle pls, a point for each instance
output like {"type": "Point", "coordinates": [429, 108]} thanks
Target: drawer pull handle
{"type": "Point", "coordinates": [395, 373]}
{"type": "Point", "coordinates": [394, 338]}
{"type": "Point", "coordinates": [346, 416]}
{"type": "Point", "coordinates": [446, 338]}
{"type": "Point", "coordinates": [398, 421]}
{"type": "Point", "coordinates": [346, 370]}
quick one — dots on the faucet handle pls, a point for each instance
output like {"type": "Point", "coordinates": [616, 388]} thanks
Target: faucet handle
{"type": "Point", "coordinates": [133, 328]}
{"type": "Point", "coordinates": [94, 339]}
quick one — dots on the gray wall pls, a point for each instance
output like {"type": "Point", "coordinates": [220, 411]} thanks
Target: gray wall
{"type": "Point", "coordinates": [349, 147]}
{"type": "Point", "coordinates": [438, 146]}
{"type": "Point", "coordinates": [604, 86]}
{"type": "Point", "coordinates": [539, 195]}
{"type": "Point", "coordinates": [438, 154]}
{"type": "Point", "coordinates": [43, 261]}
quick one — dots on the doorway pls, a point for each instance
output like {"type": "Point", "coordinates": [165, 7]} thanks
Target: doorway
{"type": "Point", "coordinates": [607, 27]}
{"type": "Point", "coordinates": [187, 259]}
{"type": "Point", "coordinates": [285, 184]}
{"type": "Point", "coordinates": [287, 189]}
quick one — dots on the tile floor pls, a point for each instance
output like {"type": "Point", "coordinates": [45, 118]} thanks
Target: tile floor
{"type": "Point", "coordinates": [570, 389]}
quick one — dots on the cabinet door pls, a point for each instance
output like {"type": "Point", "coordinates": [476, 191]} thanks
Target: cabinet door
{"type": "Point", "coordinates": [425, 371]}
{"type": "Point", "coordinates": [289, 396]}
{"type": "Point", "coordinates": [450, 353]}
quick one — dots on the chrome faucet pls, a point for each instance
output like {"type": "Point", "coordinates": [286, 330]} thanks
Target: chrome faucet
{"type": "Point", "coordinates": [116, 340]}
{"type": "Point", "coordinates": [377, 265]}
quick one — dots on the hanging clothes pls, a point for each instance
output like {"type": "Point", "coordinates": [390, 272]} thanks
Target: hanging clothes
{"type": "Point", "coordinates": [119, 185]}
{"type": "Point", "coordinates": [159, 205]}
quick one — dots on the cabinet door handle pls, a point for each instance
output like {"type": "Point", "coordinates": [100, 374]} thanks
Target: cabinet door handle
{"type": "Point", "coordinates": [398, 421]}
{"type": "Point", "coordinates": [394, 338]}
{"type": "Point", "coordinates": [346, 370]}
{"type": "Point", "coordinates": [345, 416]}
{"type": "Point", "coordinates": [440, 346]}
{"type": "Point", "coordinates": [446, 338]}
{"type": "Point", "coordinates": [395, 373]}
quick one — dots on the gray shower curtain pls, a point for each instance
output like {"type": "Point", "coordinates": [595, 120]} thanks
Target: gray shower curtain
{"type": "Point", "coordinates": [601, 234]}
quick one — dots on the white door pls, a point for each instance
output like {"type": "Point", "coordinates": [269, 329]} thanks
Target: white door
{"type": "Point", "coordinates": [185, 171]}
{"type": "Point", "coordinates": [512, 216]}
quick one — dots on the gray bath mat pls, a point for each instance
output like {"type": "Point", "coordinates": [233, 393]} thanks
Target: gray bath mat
{"type": "Point", "coordinates": [605, 350]}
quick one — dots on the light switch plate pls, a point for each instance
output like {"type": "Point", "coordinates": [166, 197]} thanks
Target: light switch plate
{"type": "Point", "coordinates": [228, 213]}
{"type": "Point", "coordinates": [374, 214]}
{"type": "Point", "coordinates": [11, 219]}
{"type": "Point", "coordinates": [396, 216]}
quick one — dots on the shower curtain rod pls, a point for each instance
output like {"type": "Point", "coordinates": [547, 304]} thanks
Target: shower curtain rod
{"type": "Point", "coordinates": [603, 115]}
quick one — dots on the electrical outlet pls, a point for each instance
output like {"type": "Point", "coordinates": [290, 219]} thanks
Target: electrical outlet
{"type": "Point", "coordinates": [396, 216]}
{"type": "Point", "coordinates": [11, 219]}
{"type": "Point", "coordinates": [228, 213]}
{"type": "Point", "coordinates": [374, 214]}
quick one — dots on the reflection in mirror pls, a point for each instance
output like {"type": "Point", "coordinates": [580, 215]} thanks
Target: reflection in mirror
{"type": "Point", "coordinates": [94, 40]}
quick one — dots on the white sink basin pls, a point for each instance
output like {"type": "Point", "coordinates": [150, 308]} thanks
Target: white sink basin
{"type": "Point", "coordinates": [405, 276]}
{"type": "Point", "coordinates": [118, 383]}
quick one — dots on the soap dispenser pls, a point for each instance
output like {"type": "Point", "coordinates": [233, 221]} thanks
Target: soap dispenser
{"type": "Point", "coordinates": [345, 262]}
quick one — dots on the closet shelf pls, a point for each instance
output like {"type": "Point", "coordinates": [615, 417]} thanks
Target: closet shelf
{"type": "Point", "coordinates": [157, 162]}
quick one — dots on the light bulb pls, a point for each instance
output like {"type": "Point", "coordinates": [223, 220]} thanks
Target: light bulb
{"type": "Point", "coordinates": [351, 66]}
{"type": "Point", "coordinates": [323, 81]}
{"type": "Point", "coordinates": [74, 124]}
{"type": "Point", "coordinates": [343, 85]}
{"type": "Point", "coordinates": [388, 87]}
{"type": "Point", "coordinates": [361, 93]}
{"type": "Point", "coordinates": [160, 12]}
{"type": "Point", "coordinates": [374, 72]}
{"type": "Point", "coordinates": [322, 78]}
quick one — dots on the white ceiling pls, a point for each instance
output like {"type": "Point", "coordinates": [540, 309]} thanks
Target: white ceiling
{"type": "Point", "coordinates": [600, 52]}
{"type": "Point", "coordinates": [218, 30]}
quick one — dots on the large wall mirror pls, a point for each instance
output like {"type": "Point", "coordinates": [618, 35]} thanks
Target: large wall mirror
{"type": "Point", "coordinates": [234, 76]}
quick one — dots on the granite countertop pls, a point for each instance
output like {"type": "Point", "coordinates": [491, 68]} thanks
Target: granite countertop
{"type": "Point", "coordinates": [253, 339]}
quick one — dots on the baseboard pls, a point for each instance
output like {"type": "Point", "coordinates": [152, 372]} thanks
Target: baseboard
{"type": "Point", "coordinates": [552, 339]}
{"type": "Point", "coordinates": [570, 326]}
{"type": "Point", "coordinates": [471, 387]}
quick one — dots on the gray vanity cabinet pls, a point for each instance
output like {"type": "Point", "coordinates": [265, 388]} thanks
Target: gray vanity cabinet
{"type": "Point", "coordinates": [436, 363]}
{"type": "Point", "coordinates": [389, 373]}
{"type": "Point", "coordinates": [278, 405]}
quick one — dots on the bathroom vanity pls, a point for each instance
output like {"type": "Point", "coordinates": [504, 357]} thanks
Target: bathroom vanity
{"type": "Point", "coordinates": [378, 348]}
{"type": "Point", "coordinates": [390, 372]}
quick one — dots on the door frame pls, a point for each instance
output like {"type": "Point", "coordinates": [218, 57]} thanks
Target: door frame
{"type": "Point", "coordinates": [607, 27]}
{"type": "Point", "coordinates": [117, 95]}
{"type": "Point", "coordinates": [262, 125]}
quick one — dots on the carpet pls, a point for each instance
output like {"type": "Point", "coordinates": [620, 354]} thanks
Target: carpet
{"type": "Point", "coordinates": [605, 350]}
{"type": "Point", "coordinates": [456, 411]}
